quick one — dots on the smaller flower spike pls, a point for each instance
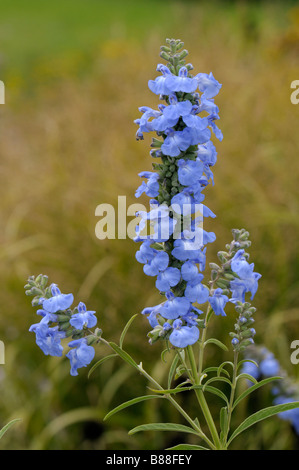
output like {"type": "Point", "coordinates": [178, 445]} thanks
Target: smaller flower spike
{"type": "Point", "coordinates": [59, 321]}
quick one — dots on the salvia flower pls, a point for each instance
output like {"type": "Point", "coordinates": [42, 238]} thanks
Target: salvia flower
{"type": "Point", "coordinates": [284, 390]}
{"type": "Point", "coordinates": [59, 321]}
{"type": "Point", "coordinates": [184, 145]}
{"type": "Point", "coordinates": [80, 354]}
{"type": "Point", "coordinates": [58, 301]}
{"type": "Point", "coordinates": [83, 318]}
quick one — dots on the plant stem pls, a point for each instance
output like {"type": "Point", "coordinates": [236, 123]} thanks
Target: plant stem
{"type": "Point", "coordinates": [202, 343]}
{"type": "Point", "coordinates": [202, 401]}
{"type": "Point", "coordinates": [172, 401]}
{"type": "Point", "coordinates": [232, 394]}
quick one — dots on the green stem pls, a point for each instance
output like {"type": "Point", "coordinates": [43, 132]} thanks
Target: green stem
{"type": "Point", "coordinates": [232, 394]}
{"type": "Point", "coordinates": [202, 401]}
{"type": "Point", "coordinates": [202, 343]}
{"type": "Point", "coordinates": [172, 401]}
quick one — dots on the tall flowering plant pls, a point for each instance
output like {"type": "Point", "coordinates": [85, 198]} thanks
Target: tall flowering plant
{"type": "Point", "coordinates": [173, 244]}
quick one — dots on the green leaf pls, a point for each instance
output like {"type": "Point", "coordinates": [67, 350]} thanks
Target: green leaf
{"type": "Point", "coordinates": [172, 370]}
{"type": "Point", "coordinates": [124, 355]}
{"type": "Point", "coordinates": [216, 379]}
{"type": "Point", "coordinates": [221, 368]}
{"type": "Point", "coordinates": [261, 415]}
{"type": "Point", "coordinates": [122, 336]}
{"type": "Point", "coordinates": [163, 427]}
{"type": "Point", "coordinates": [187, 447]}
{"type": "Point", "coordinates": [98, 363]}
{"type": "Point", "coordinates": [217, 342]}
{"type": "Point", "coordinates": [217, 392]}
{"type": "Point", "coordinates": [253, 388]}
{"type": "Point", "coordinates": [178, 389]}
{"type": "Point", "coordinates": [247, 360]}
{"type": "Point", "coordinates": [223, 423]}
{"type": "Point", "coordinates": [210, 369]}
{"type": "Point", "coordinates": [130, 403]}
{"type": "Point", "coordinates": [247, 376]}
{"type": "Point", "coordinates": [7, 426]}
{"type": "Point", "coordinates": [180, 371]}
{"type": "Point", "coordinates": [163, 353]}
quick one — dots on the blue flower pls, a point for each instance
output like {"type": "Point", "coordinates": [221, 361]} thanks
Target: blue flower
{"type": "Point", "coordinates": [177, 108]}
{"type": "Point", "coordinates": [83, 318]}
{"type": "Point", "coordinates": [81, 355]}
{"type": "Point", "coordinates": [159, 85]}
{"type": "Point", "coordinates": [191, 317]}
{"type": "Point", "coordinates": [159, 217]}
{"type": "Point", "coordinates": [144, 124]}
{"type": "Point", "coordinates": [152, 313]}
{"type": "Point", "coordinates": [188, 248]}
{"type": "Point", "coordinates": [252, 369]}
{"type": "Point", "coordinates": [189, 271]}
{"type": "Point", "coordinates": [58, 301]}
{"type": "Point", "coordinates": [176, 142]}
{"type": "Point", "coordinates": [240, 265]}
{"type": "Point", "coordinates": [181, 183]}
{"type": "Point", "coordinates": [206, 153]}
{"type": "Point", "coordinates": [151, 188]}
{"type": "Point", "coordinates": [158, 263]}
{"type": "Point", "coordinates": [218, 302]}
{"type": "Point", "coordinates": [181, 82]}
{"type": "Point", "coordinates": [183, 336]}
{"type": "Point", "coordinates": [145, 253]}
{"type": "Point", "coordinates": [248, 281]}
{"type": "Point", "coordinates": [290, 415]}
{"type": "Point", "coordinates": [195, 291]}
{"type": "Point", "coordinates": [215, 129]}
{"type": "Point", "coordinates": [208, 105]}
{"type": "Point", "coordinates": [184, 203]}
{"type": "Point", "coordinates": [174, 307]}
{"type": "Point", "coordinates": [167, 279]}
{"type": "Point", "coordinates": [269, 366]}
{"type": "Point", "coordinates": [196, 122]}
{"type": "Point", "coordinates": [189, 171]}
{"type": "Point", "coordinates": [208, 85]}
{"type": "Point", "coordinates": [48, 339]}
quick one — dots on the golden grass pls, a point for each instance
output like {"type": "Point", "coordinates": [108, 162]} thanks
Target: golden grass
{"type": "Point", "coordinates": [70, 145]}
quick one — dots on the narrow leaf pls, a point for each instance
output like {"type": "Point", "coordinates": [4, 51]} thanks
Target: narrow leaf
{"type": "Point", "coordinates": [163, 354]}
{"type": "Point", "coordinates": [122, 336]}
{"type": "Point", "coordinates": [216, 379]}
{"type": "Point", "coordinates": [217, 342]}
{"type": "Point", "coordinates": [130, 403]}
{"type": "Point", "coordinates": [217, 392]}
{"type": "Point", "coordinates": [172, 370]}
{"type": "Point", "coordinates": [246, 376]}
{"type": "Point", "coordinates": [178, 389]}
{"type": "Point", "coordinates": [240, 363]}
{"type": "Point", "coordinates": [253, 388]}
{"type": "Point", "coordinates": [163, 427]}
{"type": "Point", "coordinates": [223, 422]}
{"type": "Point", "coordinates": [98, 363]}
{"type": "Point", "coordinates": [7, 426]}
{"type": "Point", "coordinates": [187, 447]}
{"type": "Point", "coordinates": [124, 355]}
{"type": "Point", "coordinates": [221, 367]}
{"type": "Point", "coordinates": [261, 415]}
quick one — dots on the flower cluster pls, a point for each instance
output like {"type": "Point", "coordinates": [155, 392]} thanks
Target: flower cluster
{"type": "Point", "coordinates": [284, 390]}
{"type": "Point", "coordinates": [175, 250]}
{"type": "Point", "coordinates": [60, 321]}
{"type": "Point", "coordinates": [236, 277]}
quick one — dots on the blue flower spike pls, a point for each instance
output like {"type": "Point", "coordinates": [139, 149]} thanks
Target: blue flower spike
{"type": "Point", "coordinates": [187, 154]}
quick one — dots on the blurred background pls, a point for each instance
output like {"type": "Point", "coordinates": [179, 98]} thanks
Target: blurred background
{"type": "Point", "coordinates": [75, 74]}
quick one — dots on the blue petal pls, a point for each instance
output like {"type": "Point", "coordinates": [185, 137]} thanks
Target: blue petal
{"type": "Point", "coordinates": [185, 336]}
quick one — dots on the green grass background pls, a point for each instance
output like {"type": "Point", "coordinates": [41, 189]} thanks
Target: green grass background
{"type": "Point", "coordinates": [75, 74]}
